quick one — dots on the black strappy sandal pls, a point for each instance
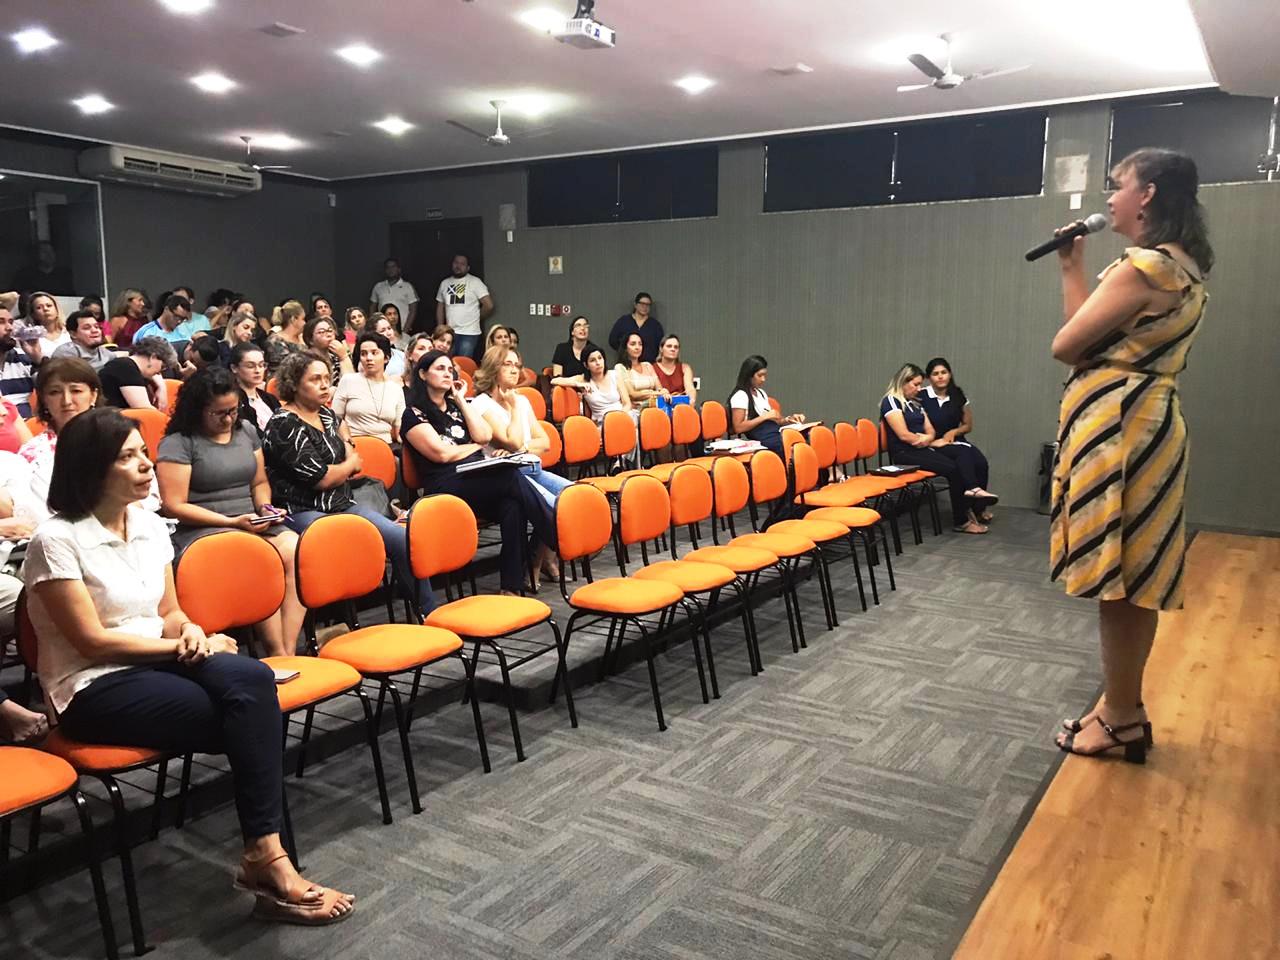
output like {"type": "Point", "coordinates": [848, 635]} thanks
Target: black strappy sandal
{"type": "Point", "coordinates": [1135, 751]}
{"type": "Point", "coordinates": [1074, 726]}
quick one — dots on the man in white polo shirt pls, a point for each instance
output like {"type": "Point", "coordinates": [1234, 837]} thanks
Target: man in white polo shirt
{"type": "Point", "coordinates": [395, 289]}
{"type": "Point", "coordinates": [463, 302]}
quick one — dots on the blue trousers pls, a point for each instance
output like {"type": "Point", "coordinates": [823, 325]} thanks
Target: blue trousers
{"type": "Point", "coordinates": [466, 345]}
{"type": "Point", "coordinates": [395, 537]}
{"type": "Point", "coordinates": [225, 704]}
{"type": "Point", "coordinates": [547, 484]}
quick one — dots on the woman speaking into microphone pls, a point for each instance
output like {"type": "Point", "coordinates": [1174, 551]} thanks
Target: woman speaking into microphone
{"type": "Point", "coordinates": [1119, 480]}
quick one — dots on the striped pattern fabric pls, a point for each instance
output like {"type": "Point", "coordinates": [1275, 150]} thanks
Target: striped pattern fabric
{"type": "Point", "coordinates": [1116, 529]}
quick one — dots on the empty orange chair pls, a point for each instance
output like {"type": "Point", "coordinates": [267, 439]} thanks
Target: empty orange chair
{"type": "Point", "coordinates": [823, 440]}
{"type": "Point", "coordinates": [619, 444]}
{"type": "Point", "coordinates": [535, 400]}
{"type": "Point", "coordinates": [528, 378]}
{"type": "Point", "coordinates": [442, 541]}
{"type": "Point", "coordinates": [409, 469]}
{"type": "Point", "coordinates": [151, 424]}
{"type": "Point", "coordinates": [655, 431]}
{"type": "Point", "coordinates": [584, 525]}
{"type": "Point", "coordinates": [466, 364]}
{"type": "Point", "coordinates": [789, 439]}
{"type": "Point", "coordinates": [686, 426]}
{"type": "Point", "coordinates": [566, 402]}
{"type": "Point", "coordinates": [31, 780]}
{"type": "Point", "coordinates": [551, 456]}
{"type": "Point", "coordinates": [377, 460]}
{"type": "Point", "coordinates": [581, 442]}
{"type": "Point", "coordinates": [715, 422]}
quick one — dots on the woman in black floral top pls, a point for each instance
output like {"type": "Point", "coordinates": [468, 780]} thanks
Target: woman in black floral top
{"type": "Point", "coordinates": [311, 460]}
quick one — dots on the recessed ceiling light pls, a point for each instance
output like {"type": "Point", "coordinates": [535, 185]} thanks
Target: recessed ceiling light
{"type": "Point", "coordinates": [93, 103]}
{"type": "Point", "coordinates": [360, 54]}
{"type": "Point", "coordinates": [34, 40]}
{"type": "Point", "coordinates": [213, 83]}
{"type": "Point", "coordinates": [187, 7]}
{"type": "Point", "coordinates": [543, 19]}
{"type": "Point", "coordinates": [530, 105]}
{"type": "Point", "coordinates": [275, 141]}
{"type": "Point", "coordinates": [394, 126]}
{"type": "Point", "coordinates": [694, 83]}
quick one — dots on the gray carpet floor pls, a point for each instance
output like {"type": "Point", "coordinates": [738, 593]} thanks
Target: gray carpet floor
{"type": "Point", "coordinates": [853, 801]}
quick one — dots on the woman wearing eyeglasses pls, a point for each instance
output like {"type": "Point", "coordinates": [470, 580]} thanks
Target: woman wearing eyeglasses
{"type": "Point", "coordinates": [250, 369]}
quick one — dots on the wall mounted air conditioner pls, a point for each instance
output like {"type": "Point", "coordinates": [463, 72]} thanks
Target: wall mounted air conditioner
{"type": "Point", "coordinates": [168, 171]}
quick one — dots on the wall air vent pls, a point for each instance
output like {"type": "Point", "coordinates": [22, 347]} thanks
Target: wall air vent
{"type": "Point", "coordinates": [168, 171]}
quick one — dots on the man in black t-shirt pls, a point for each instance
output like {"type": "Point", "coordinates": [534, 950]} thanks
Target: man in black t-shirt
{"type": "Point", "coordinates": [134, 380]}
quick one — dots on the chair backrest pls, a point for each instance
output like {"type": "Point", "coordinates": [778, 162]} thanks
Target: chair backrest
{"type": "Point", "coordinates": [228, 580]}
{"type": "Point", "coordinates": [768, 476]}
{"type": "Point", "coordinates": [823, 440]}
{"type": "Point", "coordinates": [469, 380]}
{"type": "Point", "coordinates": [339, 557]}
{"type": "Point", "coordinates": [551, 456]}
{"type": "Point", "coordinates": [151, 424]}
{"type": "Point", "coordinates": [686, 425]}
{"type": "Point", "coordinates": [715, 421]}
{"type": "Point", "coordinates": [528, 377]}
{"type": "Point", "coordinates": [776, 404]}
{"type": "Point", "coordinates": [465, 364]}
{"type": "Point", "coordinates": [846, 442]}
{"type": "Point", "coordinates": [789, 439]}
{"type": "Point", "coordinates": [409, 467]}
{"type": "Point", "coordinates": [868, 439]}
{"type": "Point", "coordinates": [566, 402]}
{"type": "Point", "coordinates": [171, 389]}
{"type": "Point", "coordinates": [36, 425]}
{"type": "Point", "coordinates": [732, 486]}
{"type": "Point", "coordinates": [619, 433]}
{"type": "Point", "coordinates": [584, 522]}
{"type": "Point", "coordinates": [883, 437]}
{"type": "Point", "coordinates": [692, 496]}
{"type": "Point", "coordinates": [273, 387]}
{"type": "Point", "coordinates": [535, 400]}
{"type": "Point", "coordinates": [804, 462]}
{"type": "Point", "coordinates": [443, 535]}
{"type": "Point", "coordinates": [655, 429]}
{"type": "Point", "coordinates": [581, 440]}
{"type": "Point", "coordinates": [377, 460]}
{"type": "Point", "coordinates": [644, 508]}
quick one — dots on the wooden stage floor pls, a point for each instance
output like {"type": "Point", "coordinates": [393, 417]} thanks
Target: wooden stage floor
{"type": "Point", "coordinates": [1180, 858]}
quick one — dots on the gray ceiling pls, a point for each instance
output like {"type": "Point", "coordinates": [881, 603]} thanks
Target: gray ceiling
{"type": "Point", "coordinates": [444, 59]}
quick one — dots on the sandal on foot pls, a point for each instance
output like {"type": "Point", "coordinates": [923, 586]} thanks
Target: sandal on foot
{"type": "Point", "coordinates": [1075, 726]}
{"type": "Point", "coordinates": [968, 528]}
{"type": "Point", "coordinates": [292, 907]}
{"type": "Point", "coordinates": [1135, 751]}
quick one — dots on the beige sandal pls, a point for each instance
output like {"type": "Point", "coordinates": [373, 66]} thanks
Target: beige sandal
{"type": "Point", "coordinates": [293, 907]}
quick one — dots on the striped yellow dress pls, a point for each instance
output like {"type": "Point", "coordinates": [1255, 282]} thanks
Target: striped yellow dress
{"type": "Point", "coordinates": [1116, 530]}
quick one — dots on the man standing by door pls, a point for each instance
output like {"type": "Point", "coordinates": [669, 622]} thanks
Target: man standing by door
{"type": "Point", "coordinates": [395, 289]}
{"type": "Point", "coordinates": [463, 302]}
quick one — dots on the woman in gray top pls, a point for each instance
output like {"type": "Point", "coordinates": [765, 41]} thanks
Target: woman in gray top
{"type": "Point", "coordinates": [212, 479]}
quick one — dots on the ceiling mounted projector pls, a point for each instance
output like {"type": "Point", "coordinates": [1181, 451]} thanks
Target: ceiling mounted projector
{"type": "Point", "coordinates": [583, 31]}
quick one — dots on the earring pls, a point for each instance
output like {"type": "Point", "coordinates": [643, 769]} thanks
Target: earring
{"type": "Point", "coordinates": [1141, 216]}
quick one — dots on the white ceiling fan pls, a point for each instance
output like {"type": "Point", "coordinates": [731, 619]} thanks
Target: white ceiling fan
{"type": "Point", "coordinates": [946, 78]}
{"type": "Point", "coordinates": [249, 166]}
{"type": "Point", "coordinates": [495, 139]}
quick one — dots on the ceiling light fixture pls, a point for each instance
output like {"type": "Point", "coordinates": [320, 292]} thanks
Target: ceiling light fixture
{"type": "Point", "coordinates": [694, 83]}
{"type": "Point", "coordinates": [530, 105]}
{"type": "Point", "coordinates": [93, 103]}
{"type": "Point", "coordinates": [275, 141]}
{"type": "Point", "coordinates": [394, 126]}
{"type": "Point", "coordinates": [187, 7]}
{"type": "Point", "coordinates": [213, 83]}
{"type": "Point", "coordinates": [34, 40]}
{"type": "Point", "coordinates": [543, 19]}
{"type": "Point", "coordinates": [360, 54]}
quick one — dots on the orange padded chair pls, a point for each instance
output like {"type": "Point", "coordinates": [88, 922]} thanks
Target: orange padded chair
{"type": "Point", "coordinates": [655, 432]}
{"type": "Point", "coordinates": [234, 579]}
{"type": "Point", "coordinates": [776, 404]}
{"type": "Point", "coordinates": [469, 380]}
{"type": "Point", "coordinates": [686, 426]}
{"type": "Point", "coordinates": [31, 780]}
{"type": "Point", "coordinates": [442, 540]}
{"type": "Point", "coordinates": [466, 365]}
{"type": "Point", "coordinates": [620, 441]}
{"type": "Point", "coordinates": [715, 422]}
{"type": "Point", "coordinates": [273, 387]}
{"type": "Point", "coordinates": [36, 426]}
{"type": "Point", "coordinates": [581, 443]}
{"type": "Point", "coordinates": [104, 762]}
{"type": "Point", "coordinates": [151, 424]}
{"type": "Point", "coordinates": [861, 522]}
{"type": "Point", "coordinates": [409, 469]}
{"type": "Point", "coordinates": [823, 440]}
{"type": "Point", "coordinates": [378, 460]}
{"type": "Point", "coordinates": [789, 439]}
{"type": "Point", "coordinates": [644, 511]}
{"type": "Point", "coordinates": [551, 456]}
{"type": "Point", "coordinates": [172, 388]}
{"type": "Point", "coordinates": [584, 525]}
{"type": "Point", "coordinates": [536, 401]}
{"type": "Point", "coordinates": [566, 402]}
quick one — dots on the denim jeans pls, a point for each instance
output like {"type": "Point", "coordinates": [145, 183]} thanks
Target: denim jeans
{"type": "Point", "coordinates": [465, 345]}
{"type": "Point", "coordinates": [547, 484]}
{"type": "Point", "coordinates": [394, 537]}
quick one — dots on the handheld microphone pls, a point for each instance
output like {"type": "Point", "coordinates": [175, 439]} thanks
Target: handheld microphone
{"type": "Point", "coordinates": [1091, 224]}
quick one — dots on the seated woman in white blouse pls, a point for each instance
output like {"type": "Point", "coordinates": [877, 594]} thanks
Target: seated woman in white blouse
{"type": "Point", "coordinates": [368, 401]}
{"type": "Point", "coordinates": [123, 664]}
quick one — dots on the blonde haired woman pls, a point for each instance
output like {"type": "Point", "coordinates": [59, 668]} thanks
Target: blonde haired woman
{"type": "Point", "coordinates": [43, 311]}
{"type": "Point", "coordinates": [911, 435]}
{"type": "Point", "coordinates": [128, 315]}
{"type": "Point", "coordinates": [498, 336]}
{"type": "Point", "coordinates": [288, 321]}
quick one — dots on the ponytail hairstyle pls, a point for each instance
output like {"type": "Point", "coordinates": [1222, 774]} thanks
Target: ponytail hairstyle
{"type": "Point", "coordinates": [1174, 214]}
{"type": "Point", "coordinates": [906, 373]}
{"type": "Point", "coordinates": [750, 367]}
{"type": "Point", "coordinates": [286, 313]}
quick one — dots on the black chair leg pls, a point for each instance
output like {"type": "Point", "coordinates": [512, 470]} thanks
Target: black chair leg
{"type": "Point", "coordinates": [402, 724]}
{"type": "Point", "coordinates": [306, 738]}
{"type": "Point", "coordinates": [371, 730]}
{"type": "Point", "coordinates": [857, 569]}
{"type": "Point", "coordinates": [140, 945]}
{"type": "Point", "coordinates": [562, 673]}
{"type": "Point", "coordinates": [95, 875]}
{"type": "Point", "coordinates": [510, 696]}
{"type": "Point", "coordinates": [469, 667]}
{"type": "Point", "coordinates": [184, 789]}
{"type": "Point", "coordinates": [157, 804]}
